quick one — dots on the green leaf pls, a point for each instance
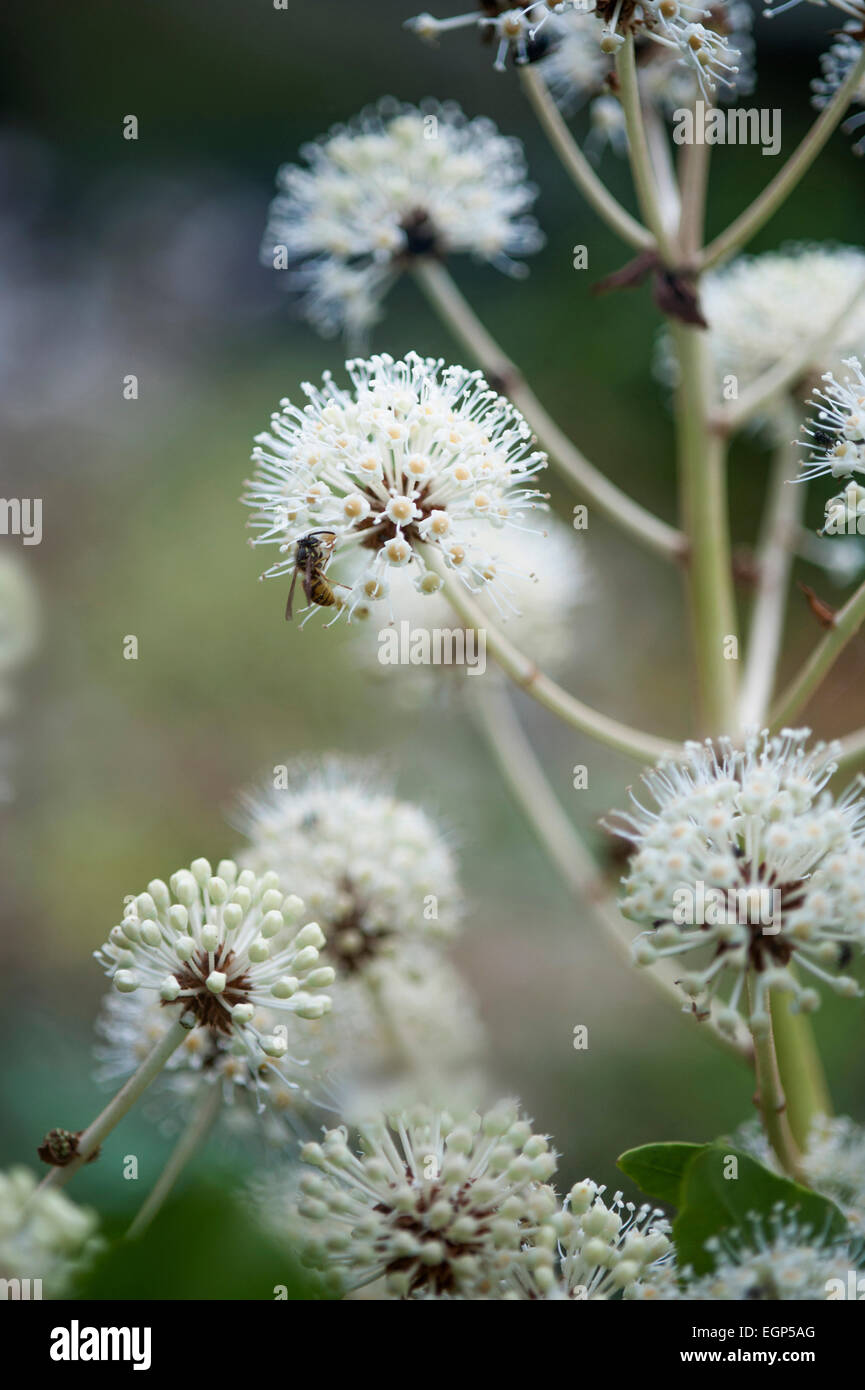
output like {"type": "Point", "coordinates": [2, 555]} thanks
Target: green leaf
{"type": "Point", "coordinates": [658, 1169]}
{"type": "Point", "coordinates": [712, 1203]}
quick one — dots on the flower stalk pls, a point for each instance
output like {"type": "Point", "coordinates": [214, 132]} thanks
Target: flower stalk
{"type": "Point", "coordinates": [776, 193]}
{"type": "Point", "coordinates": [191, 1139]}
{"type": "Point", "coordinates": [593, 188]}
{"type": "Point", "coordinates": [784, 507]}
{"type": "Point", "coordinates": [523, 671]}
{"type": "Point", "coordinates": [771, 1101]}
{"type": "Point", "coordinates": [561, 841]}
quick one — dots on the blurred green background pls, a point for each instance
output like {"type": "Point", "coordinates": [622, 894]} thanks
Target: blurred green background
{"type": "Point", "coordinates": [141, 257]}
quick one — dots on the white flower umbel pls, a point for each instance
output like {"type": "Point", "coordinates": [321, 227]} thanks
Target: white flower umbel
{"type": "Point", "coordinates": [834, 1164]}
{"type": "Point", "coordinates": [376, 871]}
{"type": "Point", "coordinates": [416, 465]}
{"type": "Point", "coordinates": [761, 308]}
{"type": "Point", "coordinates": [747, 862]}
{"type": "Point", "coordinates": [381, 878]}
{"type": "Point", "coordinates": [835, 67]}
{"type": "Point", "coordinates": [768, 1259]}
{"type": "Point", "coordinates": [435, 1205]}
{"type": "Point", "coordinates": [217, 948]}
{"type": "Point", "coordinates": [43, 1235]}
{"type": "Point", "coordinates": [836, 433]}
{"type": "Point", "coordinates": [396, 184]}
{"type": "Point", "coordinates": [677, 27]}
{"type": "Point", "coordinates": [593, 1249]}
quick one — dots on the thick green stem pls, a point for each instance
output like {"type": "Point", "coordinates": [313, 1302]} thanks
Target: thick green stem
{"type": "Point", "coordinates": [642, 168]}
{"type": "Point", "coordinates": [703, 488]}
{"type": "Point", "coordinates": [771, 1101]}
{"type": "Point", "coordinates": [187, 1146]}
{"type": "Point", "coordinates": [800, 1067]}
{"type": "Point", "coordinates": [95, 1133]}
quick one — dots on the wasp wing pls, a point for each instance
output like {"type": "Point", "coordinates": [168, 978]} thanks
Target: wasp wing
{"type": "Point", "coordinates": [290, 598]}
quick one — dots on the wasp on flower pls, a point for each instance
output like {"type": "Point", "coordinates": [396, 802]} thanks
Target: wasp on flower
{"type": "Point", "coordinates": [416, 467]}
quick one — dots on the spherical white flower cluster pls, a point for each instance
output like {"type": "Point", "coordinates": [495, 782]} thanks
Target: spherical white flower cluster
{"type": "Point", "coordinates": [217, 948]}
{"type": "Point", "coordinates": [760, 308]}
{"type": "Point", "coordinates": [382, 881]}
{"type": "Point", "coordinates": [747, 860]}
{"type": "Point", "coordinates": [375, 870]}
{"type": "Point", "coordinates": [687, 32]}
{"type": "Point", "coordinates": [592, 1249]}
{"type": "Point", "coordinates": [396, 184]}
{"type": "Point", "coordinates": [772, 1259]}
{"type": "Point", "coordinates": [417, 466]}
{"type": "Point", "coordinates": [43, 1235]}
{"type": "Point", "coordinates": [574, 65]}
{"type": "Point", "coordinates": [435, 1205]}
{"type": "Point", "coordinates": [834, 1165]}
{"type": "Point", "coordinates": [836, 443]}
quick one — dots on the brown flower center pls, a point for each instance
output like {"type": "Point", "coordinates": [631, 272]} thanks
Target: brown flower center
{"type": "Point", "coordinates": [212, 1010]}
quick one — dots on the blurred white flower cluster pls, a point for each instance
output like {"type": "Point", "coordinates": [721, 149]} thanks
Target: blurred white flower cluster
{"type": "Point", "coordinates": [381, 879]}
{"type": "Point", "coordinates": [832, 1162]}
{"type": "Point", "coordinates": [777, 1259]}
{"type": "Point", "coordinates": [43, 1235]}
{"type": "Point", "coordinates": [762, 308]}
{"type": "Point", "coordinates": [396, 184]}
